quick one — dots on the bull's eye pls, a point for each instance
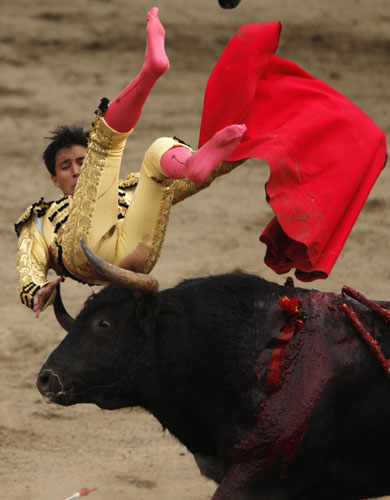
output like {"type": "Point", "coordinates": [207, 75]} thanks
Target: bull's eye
{"type": "Point", "coordinates": [105, 323]}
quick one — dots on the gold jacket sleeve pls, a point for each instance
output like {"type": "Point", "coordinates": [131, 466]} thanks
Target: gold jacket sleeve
{"type": "Point", "coordinates": [32, 263]}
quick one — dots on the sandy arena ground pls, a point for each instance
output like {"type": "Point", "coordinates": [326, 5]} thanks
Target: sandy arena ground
{"type": "Point", "coordinates": [57, 61]}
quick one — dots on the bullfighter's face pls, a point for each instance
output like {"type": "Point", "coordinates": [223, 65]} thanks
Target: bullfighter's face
{"type": "Point", "coordinates": [67, 168]}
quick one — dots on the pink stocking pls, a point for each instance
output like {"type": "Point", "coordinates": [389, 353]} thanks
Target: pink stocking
{"type": "Point", "coordinates": [179, 162]}
{"type": "Point", "coordinates": [125, 110]}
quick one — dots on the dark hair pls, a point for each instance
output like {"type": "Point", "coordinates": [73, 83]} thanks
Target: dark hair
{"type": "Point", "coordinates": [63, 137]}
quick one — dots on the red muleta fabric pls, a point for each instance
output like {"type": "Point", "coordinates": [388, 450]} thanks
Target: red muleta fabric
{"type": "Point", "coordinates": [324, 153]}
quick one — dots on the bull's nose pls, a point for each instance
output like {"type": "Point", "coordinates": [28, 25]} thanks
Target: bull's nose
{"type": "Point", "coordinates": [49, 382]}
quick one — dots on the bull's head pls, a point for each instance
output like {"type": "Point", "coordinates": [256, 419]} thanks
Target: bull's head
{"type": "Point", "coordinates": [135, 281]}
{"type": "Point", "coordinates": [107, 343]}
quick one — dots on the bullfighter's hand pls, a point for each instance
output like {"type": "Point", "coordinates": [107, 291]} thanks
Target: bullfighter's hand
{"type": "Point", "coordinates": [43, 294]}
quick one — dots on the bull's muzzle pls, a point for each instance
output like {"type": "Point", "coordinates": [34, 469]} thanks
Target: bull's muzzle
{"type": "Point", "coordinates": [49, 385]}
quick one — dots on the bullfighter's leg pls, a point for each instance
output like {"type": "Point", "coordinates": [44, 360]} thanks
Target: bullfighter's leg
{"type": "Point", "coordinates": [179, 162]}
{"type": "Point", "coordinates": [95, 202]}
{"type": "Point", "coordinates": [94, 212]}
{"type": "Point", "coordinates": [125, 110]}
{"type": "Point", "coordinates": [142, 231]}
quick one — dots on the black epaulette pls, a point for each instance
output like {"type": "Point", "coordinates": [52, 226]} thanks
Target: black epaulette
{"type": "Point", "coordinates": [37, 209]}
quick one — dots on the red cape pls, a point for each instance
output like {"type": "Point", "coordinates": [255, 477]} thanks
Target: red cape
{"type": "Point", "coordinates": [324, 153]}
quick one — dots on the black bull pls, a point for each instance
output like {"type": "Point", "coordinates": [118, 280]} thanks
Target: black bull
{"type": "Point", "coordinates": [199, 358]}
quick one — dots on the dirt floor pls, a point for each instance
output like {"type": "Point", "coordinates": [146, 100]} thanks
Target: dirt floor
{"type": "Point", "coordinates": [57, 61]}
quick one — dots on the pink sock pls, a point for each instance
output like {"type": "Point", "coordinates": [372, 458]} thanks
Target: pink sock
{"type": "Point", "coordinates": [125, 110]}
{"type": "Point", "coordinates": [178, 162]}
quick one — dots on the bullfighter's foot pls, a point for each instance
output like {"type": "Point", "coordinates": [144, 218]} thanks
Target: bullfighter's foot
{"type": "Point", "coordinates": [125, 109]}
{"type": "Point", "coordinates": [214, 152]}
{"type": "Point", "coordinates": [156, 59]}
{"type": "Point", "coordinates": [180, 163]}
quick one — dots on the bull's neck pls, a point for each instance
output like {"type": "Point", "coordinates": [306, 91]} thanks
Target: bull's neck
{"type": "Point", "coordinates": [164, 395]}
{"type": "Point", "coordinates": [188, 390]}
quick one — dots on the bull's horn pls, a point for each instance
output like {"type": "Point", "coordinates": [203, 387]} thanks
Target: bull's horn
{"type": "Point", "coordinates": [128, 279]}
{"type": "Point", "coordinates": [63, 318]}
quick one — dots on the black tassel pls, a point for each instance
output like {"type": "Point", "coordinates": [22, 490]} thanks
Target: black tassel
{"type": "Point", "coordinates": [102, 108]}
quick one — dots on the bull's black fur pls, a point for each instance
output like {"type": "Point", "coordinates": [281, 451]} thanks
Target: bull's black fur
{"type": "Point", "coordinates": [188, 356]}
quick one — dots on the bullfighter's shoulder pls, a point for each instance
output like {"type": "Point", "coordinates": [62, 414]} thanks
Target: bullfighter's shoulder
{"type": "Point", "coordinates": [38, 209]}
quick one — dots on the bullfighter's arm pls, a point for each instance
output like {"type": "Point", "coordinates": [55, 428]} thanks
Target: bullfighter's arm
{"type": "Point", "coordinates": [32, 263]}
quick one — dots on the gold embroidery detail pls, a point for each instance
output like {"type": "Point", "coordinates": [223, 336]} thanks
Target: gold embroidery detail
{"type": "Point", "coordinates": [183, 188]}
{"type": "Point", "coordinates": [161, 227]}
{"type": "Point", "coordinates": [130, 181]}
{"type": "Point", "coordinates": [31, 264]}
